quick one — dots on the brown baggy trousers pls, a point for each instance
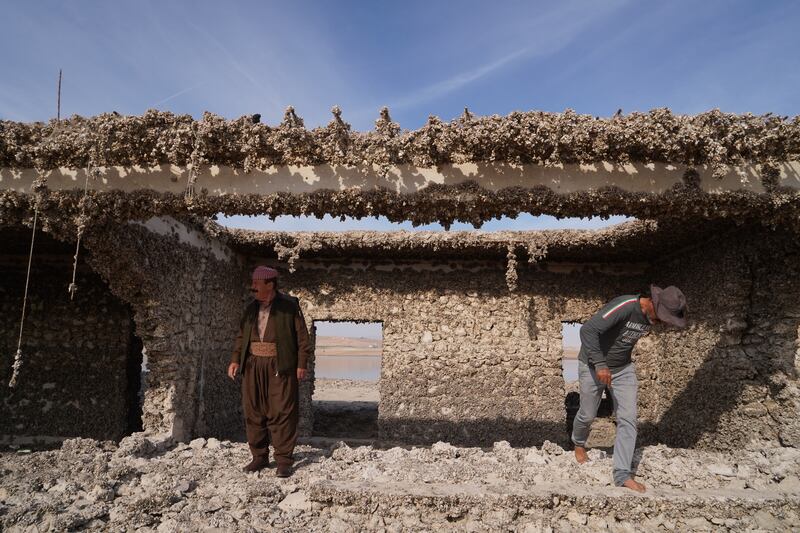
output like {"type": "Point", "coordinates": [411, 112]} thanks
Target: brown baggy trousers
{"type": "Point", "coordinates": [270, 401]}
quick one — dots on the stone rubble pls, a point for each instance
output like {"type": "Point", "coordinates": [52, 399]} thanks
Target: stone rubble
{"type": "Point", "coordinates": [149, 484]}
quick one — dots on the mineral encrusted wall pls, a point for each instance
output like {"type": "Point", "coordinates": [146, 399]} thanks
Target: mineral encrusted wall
{"type": "Point", "coordinates": [730, 380]}
{"type": "Point", "coordinates": [186, 292]}
{"type": "Point", "coordinates": [73, 378]}
{"type": "Point", "coordinates": [464, 360]}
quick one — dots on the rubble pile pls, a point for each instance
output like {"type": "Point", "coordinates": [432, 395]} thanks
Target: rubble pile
{"type": "Point", "coordinates": [152, 484]}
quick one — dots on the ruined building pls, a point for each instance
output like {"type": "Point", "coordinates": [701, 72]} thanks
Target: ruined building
{"type": "Point", "coordinates": [471, 321]}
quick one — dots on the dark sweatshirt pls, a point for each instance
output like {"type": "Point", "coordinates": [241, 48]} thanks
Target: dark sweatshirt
{"type": "Point", "coordinates": [607, 339]}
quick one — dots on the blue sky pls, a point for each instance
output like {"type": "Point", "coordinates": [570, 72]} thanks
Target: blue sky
{"type": "Point", "coordinates": [367, 330]}
{"type": "Point", "coordinates": [417, 57]}
{"type": "Point", "coordinates": [420, 58]}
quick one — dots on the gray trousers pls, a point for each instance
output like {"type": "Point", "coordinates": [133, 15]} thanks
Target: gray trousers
{"type": "Point", "coordinates": [624, 389]}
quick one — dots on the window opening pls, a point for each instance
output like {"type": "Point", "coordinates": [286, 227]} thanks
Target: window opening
{"type": "Point", "coordinates": [347, 371]}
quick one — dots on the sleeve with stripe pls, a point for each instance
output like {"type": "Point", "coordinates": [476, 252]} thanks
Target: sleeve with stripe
{"type": "Point", "coordinates": [609, 316]}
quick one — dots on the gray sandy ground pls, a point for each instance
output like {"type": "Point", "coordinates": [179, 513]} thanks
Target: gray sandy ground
{"type": "Point", "coordinates": [346, 409]}
{"type": "Point", "coordinates": [345, 390]}
{"type": "Point", "coordinates": [147, 484]}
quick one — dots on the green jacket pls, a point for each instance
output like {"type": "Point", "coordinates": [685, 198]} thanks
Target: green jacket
{"type": "Point", "coordinates": [283, 311]}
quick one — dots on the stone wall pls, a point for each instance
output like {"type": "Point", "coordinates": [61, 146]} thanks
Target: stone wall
{"type": "Point", "coordinates": [186, 291]}
{"type": "Point", "coordinates": [730, 379]}
{"type": "Point", "coordinates": [464, 360]}
{"type": "Point", "coordinates": [73, 378]}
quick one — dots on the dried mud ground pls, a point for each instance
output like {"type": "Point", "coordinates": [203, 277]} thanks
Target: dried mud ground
{"type": "Point", "coordinates": [346, 409]}
{"type": "Point", "coordinates": [152, 484]}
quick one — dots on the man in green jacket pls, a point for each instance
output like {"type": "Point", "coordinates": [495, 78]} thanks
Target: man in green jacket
{"type": "Point", "coordinates": [272, 351]}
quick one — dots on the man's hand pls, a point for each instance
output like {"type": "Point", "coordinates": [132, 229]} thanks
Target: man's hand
{"type": "Point", "coordinates": [302, 374]}
{"type": "Point", "coordinates": [233, 369]}
{"type": "Point", "coordinates": [604, 376]}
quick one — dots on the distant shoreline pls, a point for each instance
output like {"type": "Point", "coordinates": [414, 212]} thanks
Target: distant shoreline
{"type": "Point", "coordinates": [347, 354]}
{"type": "Point", "coordinates": [357, 352]}
{"type": "Point", "coordinates": [571, 352]}
{"type": "Point", "coordinates": [328, 345]}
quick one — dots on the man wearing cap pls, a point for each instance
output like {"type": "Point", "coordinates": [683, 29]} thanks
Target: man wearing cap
{"type": "Point", "coordinates": [272, 351]}
{"type": "Point", "coordinates": [607, 340]}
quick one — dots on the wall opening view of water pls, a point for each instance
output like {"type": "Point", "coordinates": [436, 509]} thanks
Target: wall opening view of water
{"type": "Point", "coordinates": [359, 368]}
{"type": "Point", "coordinates": [571, 344]}
{"type": "Point", "coordinates": [348, 350]}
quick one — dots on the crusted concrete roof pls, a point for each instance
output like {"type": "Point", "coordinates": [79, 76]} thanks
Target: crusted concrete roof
{"type": "Point", "coordinates": [713, 138]}
{"type": "Point", "coordinates": [635, 241]}
{"type": "Point", "coordinates": [632, 242]}
{"type": "Point", "coordinates": [654, 165]}
{"type": "Point", "coordinates": [465, 202]}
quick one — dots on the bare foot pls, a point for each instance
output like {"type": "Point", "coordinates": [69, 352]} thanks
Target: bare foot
{"type": "Point", "coordinates": [580, 454]}
{"type": "Point", "coordinates": [634, 485]}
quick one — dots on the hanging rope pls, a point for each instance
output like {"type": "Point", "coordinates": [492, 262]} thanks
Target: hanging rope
{"type": "Point", "coordinates": [81, 223]}
{"type": "Point", "coordinates": [38, 189]}
{"type": "Point", "coordinates": [18, 356]}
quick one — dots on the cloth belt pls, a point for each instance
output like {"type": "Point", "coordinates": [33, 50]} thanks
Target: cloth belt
{"type": "Point", "coordinates": [264, 349]}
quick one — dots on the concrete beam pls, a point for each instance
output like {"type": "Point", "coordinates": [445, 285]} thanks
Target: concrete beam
{"type": "Point", "coordinates": [221, 180]}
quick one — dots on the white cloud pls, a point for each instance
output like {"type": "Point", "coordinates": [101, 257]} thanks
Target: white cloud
{"type": "Point", "coordinates": [177, 94]}
{"type": "Point", "coordinates": [545, 35]}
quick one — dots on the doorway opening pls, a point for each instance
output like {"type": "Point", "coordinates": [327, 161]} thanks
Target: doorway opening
{"type": "Point", "coordinates": [602, 427]}
{"type": "Point", "coordinates": [136, 382]}
{"type": "Point", "coordinates": [347, 371]}
{"type": "Point", "coordinates": [571, 345]}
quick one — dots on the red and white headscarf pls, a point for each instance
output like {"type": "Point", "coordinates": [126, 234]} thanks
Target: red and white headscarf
{"type": "Point", "coordinates": [265, 273]}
